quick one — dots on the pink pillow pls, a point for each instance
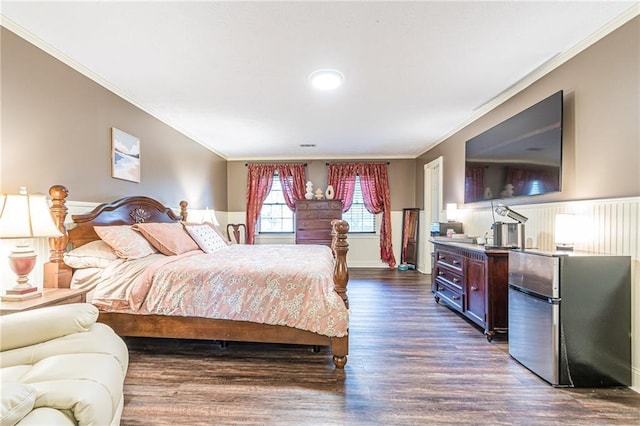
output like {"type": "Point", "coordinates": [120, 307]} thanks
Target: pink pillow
{"type": "Point", "coordinates": [126, 242]}
{"type": "Point", "coordinates": [168, 238]}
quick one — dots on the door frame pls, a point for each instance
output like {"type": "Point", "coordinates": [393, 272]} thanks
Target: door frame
{"type": "Point", "coordinates": [428, 217]}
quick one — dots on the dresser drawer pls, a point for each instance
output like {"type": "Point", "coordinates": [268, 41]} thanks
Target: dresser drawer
{"type": "Point", "coordinates": [319, 205]}
{"type": "Point", "coordinates": [313, 234]}
{"type": "Point", "coordinates": [450, 293]}
{"type": "Point", "coordinates": [453, 279]}
{"type": "Point", "coordinates": [452, 260]}
{"type": "Point", "coordinates": [314, 224]}
{"type": "Point", "coordinates": [318, 214]}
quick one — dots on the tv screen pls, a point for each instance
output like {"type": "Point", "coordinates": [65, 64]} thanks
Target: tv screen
{"type": "Point", "coordinates": [519, 157]}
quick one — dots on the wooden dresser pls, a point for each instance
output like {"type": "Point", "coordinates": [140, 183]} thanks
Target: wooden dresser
{"type": "Point", "coordinates": [473, 281]}
{"type": "Point", "coordinates": [313, 220]}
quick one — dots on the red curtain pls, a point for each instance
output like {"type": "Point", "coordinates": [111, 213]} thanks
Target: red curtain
{"type": "Point", "coordinates": [292, 178]}
{"type": "Point", "coordinates": [259, 180]}
{"type": "Point", "coordinates": [375, 192]}
{"type": "Point", "coordinates": [342, 176]}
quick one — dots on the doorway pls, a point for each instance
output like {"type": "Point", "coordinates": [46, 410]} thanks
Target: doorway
{"type": "Point", "coordinates": [432, 204]}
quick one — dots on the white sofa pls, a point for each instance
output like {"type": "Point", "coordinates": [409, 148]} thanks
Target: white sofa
{"type": "Point", "coordinates": [58, 366]}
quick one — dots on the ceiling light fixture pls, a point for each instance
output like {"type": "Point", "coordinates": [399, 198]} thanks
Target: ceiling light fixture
{"type": "Point", "coordinates": [326, 79]}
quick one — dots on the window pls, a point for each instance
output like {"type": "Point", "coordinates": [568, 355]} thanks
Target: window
{"type": "Point", "coordinates": [360, 220]}
{"type": "Point", "coordinates": [275, 215]}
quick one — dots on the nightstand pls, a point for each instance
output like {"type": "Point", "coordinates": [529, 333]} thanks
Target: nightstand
{"type": "Point", "coordinates": [50, 297]}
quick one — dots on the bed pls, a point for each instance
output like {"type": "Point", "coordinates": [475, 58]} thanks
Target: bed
{"type": "Point", "coordinates": [143, 311]}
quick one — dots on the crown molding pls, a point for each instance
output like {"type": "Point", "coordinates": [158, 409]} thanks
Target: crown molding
{"type": "Point", "coordinates": [67, 60]}
{"type": "Point", "coordinates": [539, 72]}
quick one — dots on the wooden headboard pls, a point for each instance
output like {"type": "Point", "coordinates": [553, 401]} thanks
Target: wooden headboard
{"type": "Point", "coordinates": [125, 211]}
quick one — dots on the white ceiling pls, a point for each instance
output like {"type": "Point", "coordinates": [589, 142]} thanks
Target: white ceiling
{"type": "Point", "coordinates": [233, 75]}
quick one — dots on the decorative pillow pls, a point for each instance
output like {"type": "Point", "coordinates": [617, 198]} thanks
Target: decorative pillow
{"type": "Point", "coordinates": [126, 242]}
{"type": "Point", "coordinates": [208, 239]}
{"type": "Point", "coordinates": [210, 225]}
{"type": "Point", "coordinates": [96, 254]}
{"type": "Point", "coordinates": [17, 401]}
{"type": "Point", "coordinates": [167, 238]}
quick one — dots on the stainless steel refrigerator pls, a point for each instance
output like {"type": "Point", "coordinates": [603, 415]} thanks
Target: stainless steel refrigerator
{"type": "Point", "coordinates": [570, 317]}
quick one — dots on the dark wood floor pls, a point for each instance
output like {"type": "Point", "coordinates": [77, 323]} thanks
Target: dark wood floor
{"type": "Point", "coordinates": [411, 361]}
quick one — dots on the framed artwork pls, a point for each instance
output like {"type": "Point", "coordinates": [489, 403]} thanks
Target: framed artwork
{"type": "Point", "coordinates": [125, 156]}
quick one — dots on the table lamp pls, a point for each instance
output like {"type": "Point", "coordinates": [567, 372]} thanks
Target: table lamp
{"type": "Point", "coordinates": [24, 216]}
{"type": "Point", "coordinates": [209, 216]}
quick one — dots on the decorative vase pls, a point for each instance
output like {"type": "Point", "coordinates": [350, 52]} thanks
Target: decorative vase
{"type": "Point", "coordinates": [309, 193]}
{"type": "Point", "coordinates": [319, 194]}
{"type": "Point", "coordinates": [329, 193]}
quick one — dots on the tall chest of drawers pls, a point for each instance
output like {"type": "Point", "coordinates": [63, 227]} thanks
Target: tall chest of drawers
{"type": "Point", "coordinates": [313, 220]}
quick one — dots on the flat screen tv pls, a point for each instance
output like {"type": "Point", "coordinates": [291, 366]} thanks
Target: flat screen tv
{"type": "Point", "coordinates": [521, 156]}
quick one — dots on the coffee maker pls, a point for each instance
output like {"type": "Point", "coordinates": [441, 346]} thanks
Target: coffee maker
{"type": "Point", "coordinates": [509, 235]}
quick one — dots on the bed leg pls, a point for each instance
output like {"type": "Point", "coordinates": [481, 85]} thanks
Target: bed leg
{"type": "Point", "coordinates": [339, 361]}
{"type": "Point", "coordinates": [340, 349]}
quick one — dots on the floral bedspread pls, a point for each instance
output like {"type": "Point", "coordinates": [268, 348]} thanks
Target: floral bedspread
{"type": "Point", "coordinates": [288, 285]}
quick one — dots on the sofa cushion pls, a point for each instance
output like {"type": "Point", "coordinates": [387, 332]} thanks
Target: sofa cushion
{"type": "Point", "coordinates": [17, 401]}
{"type": "Point", "coordinates": [39, 325]}
{"type": "Point", "coordinates": [48, 416]}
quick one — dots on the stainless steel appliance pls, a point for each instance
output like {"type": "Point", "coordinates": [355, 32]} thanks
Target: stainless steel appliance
{"type": "Point", "coordinates": [508, 235]}
{"type": "Point", "coordinates": [570, 317]}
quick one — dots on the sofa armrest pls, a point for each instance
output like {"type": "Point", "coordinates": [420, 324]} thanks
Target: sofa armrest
{"type": "Point", "coordinates": [39, 325]}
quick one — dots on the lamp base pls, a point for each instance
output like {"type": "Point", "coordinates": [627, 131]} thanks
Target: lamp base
{"type": "Point", "coordinates": [20, 297]}
{"type": "Point", "coordinates": [21, 290]}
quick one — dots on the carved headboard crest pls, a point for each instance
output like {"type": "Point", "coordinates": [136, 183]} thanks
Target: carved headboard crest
{"type": "Point", "coordinates": [139, 215]}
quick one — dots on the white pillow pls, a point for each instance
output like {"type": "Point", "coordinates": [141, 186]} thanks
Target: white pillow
{"type": "Point", "coordinates": [96, 254]}
{"type": "Point", "coordinates": [206, 237]}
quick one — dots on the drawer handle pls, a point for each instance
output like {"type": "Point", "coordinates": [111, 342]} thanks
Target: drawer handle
{"type": "Point", "coordinates": [440, 273]}
{"type": "Point", "coordinates": [456, 280]}
{"type": "Point", "coordinates": [440, 257]}
{"type": "Point", "coordinates": [474, 287]}
{"type": "Point", "coordinates": [440, 288]}
{"type": "Point", "coordinates": [455, 262]}
{"type": "Point", "coordinates": [456, 297]}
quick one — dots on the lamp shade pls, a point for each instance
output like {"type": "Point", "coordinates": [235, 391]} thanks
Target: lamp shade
{"type": "Point", "coordinates": [452, 212]}
{"type": "Point", "coordinates": [209, 215]}
{"type": "Point", "coordinates": [566, 231]}
{"type": "Point", "coordinates": [26, 216]}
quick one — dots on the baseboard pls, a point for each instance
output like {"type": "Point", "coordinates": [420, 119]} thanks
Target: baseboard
{"type": "Point", "coordinates": [635, 379]}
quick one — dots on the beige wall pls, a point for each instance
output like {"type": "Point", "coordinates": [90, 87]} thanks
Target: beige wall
{"type": "Point", "coordinates": [601, 154]}
{"type": "Point", "coordinates": [401, 181]}
{"type": "Point", "coordinates": [56, 129]}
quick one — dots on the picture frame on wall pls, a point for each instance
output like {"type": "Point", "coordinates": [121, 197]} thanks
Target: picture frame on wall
{"type": "Point", "coordinates": [125, 156]}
